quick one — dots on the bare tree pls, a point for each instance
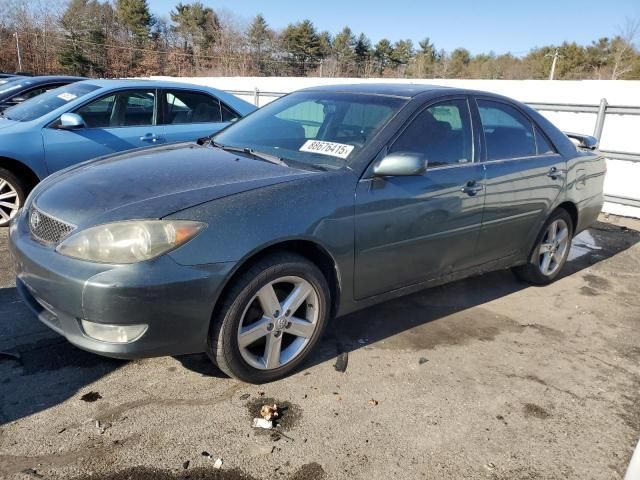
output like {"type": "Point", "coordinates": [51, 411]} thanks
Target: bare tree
{"type": "Point", "coordinates": [624, 48]}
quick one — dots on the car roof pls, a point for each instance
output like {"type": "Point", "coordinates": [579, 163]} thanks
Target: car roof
{"type": "Point", "coordinates": [406, 90]}
{"type": "Point", "coordinates": [49, 78]}
{"type": "Point", "coordinates": [134, 82]}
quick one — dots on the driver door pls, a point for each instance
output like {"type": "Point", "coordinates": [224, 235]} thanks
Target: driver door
{"type": "Point", "coordinates": [119, 121]}
{"type": "Point", "coordinates": [410, 229]}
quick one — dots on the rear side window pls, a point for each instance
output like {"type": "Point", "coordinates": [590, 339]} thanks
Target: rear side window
{"type": "Point", "coordinates": [441, 134]}
{"type": "Point", "coordinates": [228, 115]}
{"type": "Point", "coordinates": [507, 132]}
{"type": "Point", "coordinates": [183, 106]}
{"type": "Point", "coordinates": [544, 147]}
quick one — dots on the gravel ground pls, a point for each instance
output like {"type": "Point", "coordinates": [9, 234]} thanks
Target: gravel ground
{"type": "Point", "coordinates": [482, 378]}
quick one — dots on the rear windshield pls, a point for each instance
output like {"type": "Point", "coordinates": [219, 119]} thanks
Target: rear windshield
{"type": "Point", "coordinates": [48, 101]}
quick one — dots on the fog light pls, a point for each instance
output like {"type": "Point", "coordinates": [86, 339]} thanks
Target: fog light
{"type": "Point", "coordinates": [113, 333]}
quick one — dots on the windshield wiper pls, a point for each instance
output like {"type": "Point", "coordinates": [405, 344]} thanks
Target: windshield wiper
{"type": "Point", "coordinates": [250, 151]}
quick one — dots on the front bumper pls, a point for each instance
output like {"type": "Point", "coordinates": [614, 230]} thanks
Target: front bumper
{"type": "Point", "coordinates": [175, 301]}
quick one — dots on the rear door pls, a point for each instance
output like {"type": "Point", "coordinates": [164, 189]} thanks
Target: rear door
{"type": "Point", "coordinates": [524, 176]}
{"type": "Point", "coordinates": [190, 114]}
{"type": "Point", "coordinates": [118, 121]}
{"type": "Point", "coordinates": [412, 229]}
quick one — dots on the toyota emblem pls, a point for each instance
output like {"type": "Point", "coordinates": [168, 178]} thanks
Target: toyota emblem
{"type": "Point", "coordinates": [34, 219]}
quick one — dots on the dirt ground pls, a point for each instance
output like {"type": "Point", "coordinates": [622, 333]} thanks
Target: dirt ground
{"type": "Point", "coordinates": [482, 378]}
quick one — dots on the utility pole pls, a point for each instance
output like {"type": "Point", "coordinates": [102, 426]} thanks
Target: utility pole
{"type": "Point", "coordinates": [556, 55]}
{"type": "Point", "coordinates": [18, 49]}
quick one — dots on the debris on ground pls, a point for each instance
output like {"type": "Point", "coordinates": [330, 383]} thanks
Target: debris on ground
{"type": "Point", "coordinates": [102, 427]}
{"type": "Point", "coordinates": [373, 402]}
{"type": "Point", "coordinates": [341, 362]}
{"type": "Point", "coordinates": [245, 396]}
{"type": "Point", "coordinates": [423, 360]}
{"type": "Point", "coordinates": [217, 464]}
{"type": "Point", "coordinates": [262, 423]}
{"type": "Point", "coordinates": [206, 454]}
{"type": "Point", "coordinates": [30, 472]}
{"type": "Point", "coordinates": [269, 412]}
{"type": "Point", "coordinates": [90, 397]}
{"type": "Point", "coordinates": [185, 465]}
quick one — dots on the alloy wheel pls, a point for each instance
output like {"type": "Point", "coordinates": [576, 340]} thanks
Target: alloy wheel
{"type": "Point", "coordinates": [278, 323]}
{"type": "Point", "coordinates": [9, 202]}
{"type": "Point", "coordinates": [554, 247]}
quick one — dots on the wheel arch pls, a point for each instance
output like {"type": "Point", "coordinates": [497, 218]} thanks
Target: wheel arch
{"type": "Point", "coordinates": [572, 210]}
{"type": "Point", "coordinates": [21, 170]}
{"type": "Point", "coordinates": [309, 249]}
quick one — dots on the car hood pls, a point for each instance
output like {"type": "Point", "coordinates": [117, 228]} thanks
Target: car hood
{"type": "Point", "coordinates": [153, 183]}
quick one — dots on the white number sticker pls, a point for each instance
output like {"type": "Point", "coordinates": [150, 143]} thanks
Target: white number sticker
{"type": "Point", "coordinates": [67, 97]}
{"type": "Point", "coordinates": [339, 150]}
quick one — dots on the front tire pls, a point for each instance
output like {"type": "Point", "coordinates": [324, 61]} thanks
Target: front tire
{"type": "Point", "coordinates": [270, 319]}
{"type": "Point", "coordinates": [550, 252]}
{"type": "Point", "coordinates": [13, 193]}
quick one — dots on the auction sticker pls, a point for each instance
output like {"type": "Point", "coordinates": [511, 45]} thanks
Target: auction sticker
{"type": "Point", "coordinates": [67, 97]}
{"type": "Point", "coordinates": [339, 150]}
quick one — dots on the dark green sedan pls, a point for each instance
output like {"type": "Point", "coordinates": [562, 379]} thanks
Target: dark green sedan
{"type": "Point", "coordinates": [321, 203]}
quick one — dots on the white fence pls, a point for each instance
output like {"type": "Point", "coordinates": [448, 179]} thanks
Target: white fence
{"type": "Point", "coordinates": [620, 133]}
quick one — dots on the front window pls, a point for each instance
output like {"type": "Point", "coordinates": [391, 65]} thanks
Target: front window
{"type": "Point", "coordinates": [321, 129]}
{"type": "Point", "coordinates": [49, 101]}
{"type": "Point", "coordinates": [127, 108]}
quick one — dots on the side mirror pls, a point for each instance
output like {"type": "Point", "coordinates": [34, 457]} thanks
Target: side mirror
{"type": "Point", "coordinates": [71, 121]}
{"type": "Point", "coordinates": [583, 141]}
{"type": "Point", "coordinates": [400, 165]}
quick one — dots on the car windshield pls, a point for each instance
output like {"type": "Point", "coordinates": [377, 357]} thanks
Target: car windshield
{"type": "Point", "coordinates": [48, 102]}
{"type": "Point", "coordinates": [320, 129]}
{"type": "Point", "coordinates": [7, 88]}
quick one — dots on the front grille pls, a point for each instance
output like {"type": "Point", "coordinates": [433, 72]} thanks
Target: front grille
{"type": "Point", "coordinates": [46, 228]}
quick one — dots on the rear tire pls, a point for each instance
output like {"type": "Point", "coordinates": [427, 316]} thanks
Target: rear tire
{"type": "Point", "coordinates": [550, 251]}
{"type": "Point", "coordinates": [270, 319]}
{"type": "Point", "coordinates": [13, 193]}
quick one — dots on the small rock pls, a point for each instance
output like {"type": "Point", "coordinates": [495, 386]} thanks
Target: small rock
{"type": "Point", "coordinates": [217, 464]}
{"type": "Point", "coordinates": [185, 465]}
{"type": "Point", "coordinates": [423, 360]}
{"type": "Point", "coordinates": [206, 454]}
{"type": "Point", "coordinates": [489, 466]}
{"type": "Point", "coordinates": [245, 396]}
{"type": "Point", "coordinates": [373, 402]}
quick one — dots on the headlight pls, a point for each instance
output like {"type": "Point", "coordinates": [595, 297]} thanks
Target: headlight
{"type": "Point", "coordinates": [130, 241]}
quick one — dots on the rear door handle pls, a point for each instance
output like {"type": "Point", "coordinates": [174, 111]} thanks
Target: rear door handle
{"type": "Point", "coordinates": [472, 187]}
{"type": "Point", "coordinates": [149, 137]}
{"type": "Point", "coordinates": [556, 173]}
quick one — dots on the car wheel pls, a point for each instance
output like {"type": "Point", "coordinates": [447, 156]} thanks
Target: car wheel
{"type": "Point", "coordinates": [271, 318]}
{"type": "Point", "coordinates": [12, 196]}
{"type": "Point", "coordinates": [550, 251]}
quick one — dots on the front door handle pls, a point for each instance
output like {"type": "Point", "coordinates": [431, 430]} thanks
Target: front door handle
{"type": "Point", "coordinates": [555, 173]}
{"type": "Point", "coordinates": [472, 187]}
{"type": "Point", "coordinates": [149, 137]}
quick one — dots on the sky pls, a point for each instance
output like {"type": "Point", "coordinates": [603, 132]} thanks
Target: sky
{"type": "Point", "coordinates": [499, 26]}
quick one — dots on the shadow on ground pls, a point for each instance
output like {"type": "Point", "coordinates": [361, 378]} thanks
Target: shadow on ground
{"type": "Point", "coordinates": [47, 370]}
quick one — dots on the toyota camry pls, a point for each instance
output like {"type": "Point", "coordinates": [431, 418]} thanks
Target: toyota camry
{"type": "Point", "coordinates": [328, 200]}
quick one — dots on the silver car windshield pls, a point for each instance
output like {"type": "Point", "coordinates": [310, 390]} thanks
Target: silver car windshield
{"type": "Point", "coordinates": [321, 129]}
{"type": "Point", "coordinates": [48, 101]}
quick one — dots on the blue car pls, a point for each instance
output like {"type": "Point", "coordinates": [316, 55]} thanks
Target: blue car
{"type": "Point", "coordinates": [93, 118]}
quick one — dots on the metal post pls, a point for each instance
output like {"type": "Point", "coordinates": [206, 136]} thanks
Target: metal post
{"type": "Point", "coordinates": [18, 49]}
{"type": "Point", "coordinates": [256, 97]}
{"type": "Point", "coordinates": [602, 112]}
